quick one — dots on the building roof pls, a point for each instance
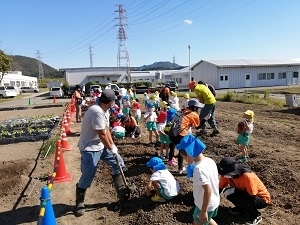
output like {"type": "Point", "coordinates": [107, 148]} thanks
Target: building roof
{"type": "Point", "coordinates": [249, 62]}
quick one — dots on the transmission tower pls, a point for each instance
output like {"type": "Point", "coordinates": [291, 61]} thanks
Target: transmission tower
{"type": "Point", "coordinates": [91, 56]}
{"type": "Point", "coordinates": [173, 62]}
{"type": "Point", "coordinates": [39, 58]}
{"type": "Point", "coordinates": [123, 56]}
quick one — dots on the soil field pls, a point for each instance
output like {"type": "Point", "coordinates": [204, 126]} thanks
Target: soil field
{"type": "Point", "coordinates": [274, 156]}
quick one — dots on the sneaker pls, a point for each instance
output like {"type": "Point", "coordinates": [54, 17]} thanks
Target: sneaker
{"type": "Point", "coordinates": [201, 132]}
{"type": "Point", "coordinates": [255, 221]}
{"type": "Point", "coordinates": [182, 170]}
{"type": "Point", "coordinates": [156, 198]}
{"type": "Point", "coordinates": [243, 159]}
{"type": "Point", "coordinates": [236, 210]}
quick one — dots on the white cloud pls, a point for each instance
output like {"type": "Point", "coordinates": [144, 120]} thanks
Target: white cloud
{"type": "Point", "coordinates": [188, 22]}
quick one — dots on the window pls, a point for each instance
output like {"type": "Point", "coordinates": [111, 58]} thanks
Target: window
{"type": "Point", "coordinates": [180, 80]}
{"type": "Point", "coordinates": [226, 77]}
{"type": "Point", "coordinates": [262, 76]}
{"type": "Point", "coordinates": [247, 77]}
{"type": "Point", "coordinates": [107, 78]}
{"type": "Point", "coordinates": [221, 78]}
{"type": "Point", "coordinates": [281, 75]}
{"type": "Point", "coordinates": [295, 75]}
{"type": "Point", "coordinates": [270, 76]}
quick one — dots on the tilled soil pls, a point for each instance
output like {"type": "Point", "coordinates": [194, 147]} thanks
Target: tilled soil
{"type": "Point", "coordinates": [274, 156]}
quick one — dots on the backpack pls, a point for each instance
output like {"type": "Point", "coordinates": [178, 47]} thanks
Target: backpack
{"type": "Point", "coordinates": [173, 127]}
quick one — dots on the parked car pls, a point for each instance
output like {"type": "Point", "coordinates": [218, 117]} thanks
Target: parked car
{"type": "Point", "coordinates": [8, 92]}
{"type": "Point", "coordinates": [173, 85]}
{"type": "Point", "coordinates": [29, 89]}
{"type": "Point", "coordinates": [56, 92]}
{"type": "Point", "coordinates": [70, 91]}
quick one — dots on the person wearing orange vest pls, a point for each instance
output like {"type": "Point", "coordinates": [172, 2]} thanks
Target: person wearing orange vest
{"type": "Point", "coordinates": [244, 189]}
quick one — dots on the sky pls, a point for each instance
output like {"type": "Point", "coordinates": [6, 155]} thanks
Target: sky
{"type": "Point", "coordinates": [61, 32]}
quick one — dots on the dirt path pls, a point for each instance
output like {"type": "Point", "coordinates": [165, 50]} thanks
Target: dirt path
{"type": "Point", "coordinates": [274, 153]}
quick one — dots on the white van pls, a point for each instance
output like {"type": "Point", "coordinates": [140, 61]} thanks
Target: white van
{"type": "Point", "coordinates": [8, 92]}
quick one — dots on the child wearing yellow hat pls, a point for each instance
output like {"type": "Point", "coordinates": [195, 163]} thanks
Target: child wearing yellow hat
{"type": "Point", "coordinates": [185, 102]}
{"type": "Point", "coordinates": [245, 128]}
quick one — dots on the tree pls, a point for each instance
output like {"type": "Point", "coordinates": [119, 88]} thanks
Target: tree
{"type": "Point", "coordinates": [5, 64]}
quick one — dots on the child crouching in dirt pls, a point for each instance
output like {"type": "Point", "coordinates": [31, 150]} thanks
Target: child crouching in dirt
{"type": "Point", "coordinates": [161, 181]}
{"type": "Point", "coordinates": [118, 131]}
{"type": "Point", "coordinates": [244, 130]}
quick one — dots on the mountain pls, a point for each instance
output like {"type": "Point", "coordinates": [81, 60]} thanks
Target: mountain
{"type": "Point", "coordinates": [160, 66]}
{"type": "Point", "coordinates": [29, 67]}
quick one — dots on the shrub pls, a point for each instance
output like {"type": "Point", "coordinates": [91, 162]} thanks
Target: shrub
{"type": "Point", "coordinates": [228, 97]}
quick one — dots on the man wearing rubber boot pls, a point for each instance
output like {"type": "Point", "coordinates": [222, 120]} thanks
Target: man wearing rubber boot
{"type": "Point", "coordinates": [95, 144]}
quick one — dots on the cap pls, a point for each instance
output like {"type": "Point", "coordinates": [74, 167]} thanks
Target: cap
{"type": "Point", "coordinates": [107, 95]}
{"type": "Point", "coordinates": [171, 113]}
{"type": "Point", "coordinates": [249, 113]}
{"type": "Point", "coordinates": [156, 163]}
{"type": "Point", "coordinates": [119, 116]}
{"type": "Point", "coordinates": [150, 105]}
{"type": "Point", "coordinates": [192, 84]}
{"type": "Point", "coordinates": [228, 166]}
{"type": "Point", "coordinates": [186, 95]}
{"type": "Point", "coordinates": [192, 145]}
{"type": "Point", "coordinates": [195, 102]}
{"type": "Point", "coordinates": [124, 118]}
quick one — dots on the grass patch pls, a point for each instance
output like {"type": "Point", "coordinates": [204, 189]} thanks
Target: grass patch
{"type": "Point", "coordinates": [252, 98]}
{"type": "Point", "coordinates": [290, 90]}
{"type": "Point", "coordinates": [50, 145]}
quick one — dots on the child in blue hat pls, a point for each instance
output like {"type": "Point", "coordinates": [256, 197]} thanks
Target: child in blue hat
{"type": "Point", "coordinates": [161, 181]}
{"type": "Point", "coordinates": [205, 180]}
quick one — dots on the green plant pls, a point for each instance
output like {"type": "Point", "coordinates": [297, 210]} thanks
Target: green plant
{"type": "Point", "coordinates": [50, 145]}
{"type": "Point", "coordinates": [228, 97]}
{"type": "Point", "coordinates": [266, 94]}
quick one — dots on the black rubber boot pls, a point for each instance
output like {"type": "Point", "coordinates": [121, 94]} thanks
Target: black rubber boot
{"type": "Point", "coordinates": [79, 208]}
{"type": "Point", "coordinates": [122, 191]}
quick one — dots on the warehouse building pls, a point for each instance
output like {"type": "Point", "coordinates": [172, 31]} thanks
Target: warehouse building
{"type": "Point", "coordinates": [16, 79]}
{"type": "Point", "coordinates": [241, 73]}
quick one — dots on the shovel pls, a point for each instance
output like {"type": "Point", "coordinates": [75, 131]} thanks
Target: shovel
{"type": "Point", "coordinates": [127, 188]}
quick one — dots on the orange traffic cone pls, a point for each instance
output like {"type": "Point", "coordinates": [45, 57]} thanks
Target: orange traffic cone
{"type": "Point", "coordinates": [54, 99]}
{"type": "Point", "coordinates": [66, 125]}
{"type": "Point", "coordinates": [64, 143]}
{"type": "Point", "coordinates": [69, 118]}
{"type": "Point", "coordinates": [60, 173]}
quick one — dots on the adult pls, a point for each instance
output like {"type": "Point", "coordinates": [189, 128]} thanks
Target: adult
{"type": "Point", "coordinates": [190, 119]}
{"type": "Point", "coordinates": [83, 89]}
{"type": "Point", "coordinates": [165, 93]}
{"type": "Point", "coordinates": [108, 86]}
{"type": "Point", "coordinates": [243, 188]}
{"type": "Point", "coordinates": [96, 143]}
{"type": "Point", "coordinates": [123, 91]}
{"type": "Point", "coordinates": [132, 129]}
{"type": "Point", "coordinates": [207, 113]}
{"type": "Point", "coordinates": [210, 87]}
{"type": "Point", "coordinates": [78, 102]}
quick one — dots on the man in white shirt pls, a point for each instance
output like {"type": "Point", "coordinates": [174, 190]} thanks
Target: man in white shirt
{"type": "Point", "coordinates": [108, 86]}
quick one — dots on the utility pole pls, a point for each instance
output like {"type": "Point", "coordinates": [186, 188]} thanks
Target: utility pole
{"type": "Point", "coordinates": [39, 58]}
{"type": "Point", "coordinates": [173, 62]}
{"type": "Point", "coordinates": [91, 56]}
{"type": "Point", "coordinates": [190, 72]}
{"type": "Point", "coordinates": [123, 56]}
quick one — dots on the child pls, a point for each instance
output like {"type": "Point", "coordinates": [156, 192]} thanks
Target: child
{"type": "Point", "coordinates": [185, 102]}
{"type": "Point", "coordinates": [146, 99]}
{"type": "Point", "coordinates": [163, 138]}
{"type": "Point", "coordinates": [175, 101]}
{"type": "Point", "coordinates": [244, 189]}
{"type": "Point", "coordinates": [137, 110]}
{"type": "Point", "coordinates": [125, 105]}
{"type": "Point", "coordinates": [118, 131]}
{"type": "Point", "coordinates": [162, 181]}
{"type": "Point", "coordinates": [245, 128]}
{"type": "Point", "coordinates": [205, 180]}
{"type": "Point", "coordinates": [150, 119]}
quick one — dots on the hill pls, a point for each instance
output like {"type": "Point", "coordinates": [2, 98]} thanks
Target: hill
{"type": "Point", "coordinates": [160, 66]}
{"type": "Point", "coordinates": [29, 67]}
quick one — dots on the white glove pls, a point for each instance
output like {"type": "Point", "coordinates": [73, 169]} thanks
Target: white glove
{"type": "Point", "coordinates": [114, 149]}
{"type": "Point", "coordinates": [228, 191]}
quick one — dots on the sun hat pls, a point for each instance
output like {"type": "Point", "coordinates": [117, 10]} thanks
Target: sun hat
{"type": "Point", "coordinates": [195, 102]}
{"type": "Point", "coordinates": [156, 163]}
{"type": "Point", "coordinates": [186, 95]}
{"type": "Point", "coordinates": [192, 84]}
{"type": "Point", "coordinates": [171, 113]}
{"type": "Point", "coordinates": [229, 167]}
{"type": "Point", "coordinates": [249, 113]}
{"type": "Point", "coordinates": [192, 145]}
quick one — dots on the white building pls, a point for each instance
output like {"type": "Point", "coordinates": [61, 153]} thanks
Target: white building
{"type": "Point", "coordinates": [240, 73]}
{"type": "Point", "coordinates": [16, 79]}
{"type": "Point", "coordinates": [104, 75]}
